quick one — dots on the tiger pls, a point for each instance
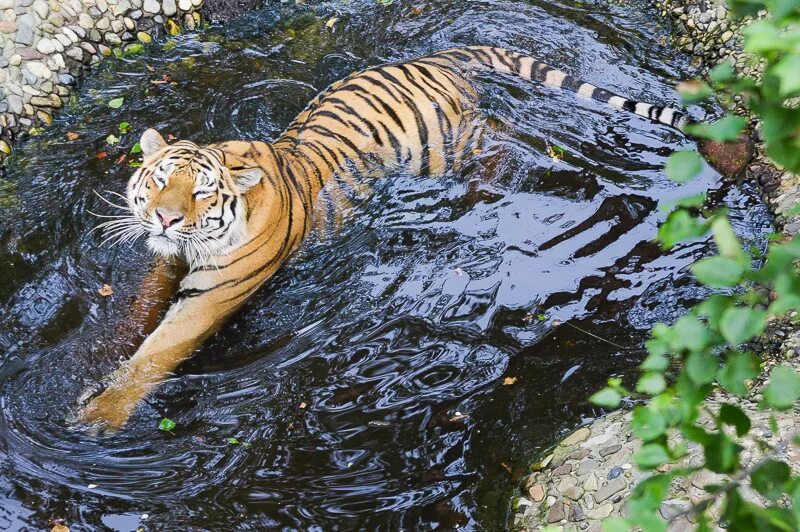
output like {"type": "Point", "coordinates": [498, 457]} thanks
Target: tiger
{"type": "Point", "coordinates": [235, 211]}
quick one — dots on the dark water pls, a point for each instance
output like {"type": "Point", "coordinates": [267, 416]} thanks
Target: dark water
{"type": "Point", "coordinates": [395, 334]}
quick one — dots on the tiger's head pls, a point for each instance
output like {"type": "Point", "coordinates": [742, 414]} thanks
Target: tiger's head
{"type": "Point", "coordinates": [189, 199]}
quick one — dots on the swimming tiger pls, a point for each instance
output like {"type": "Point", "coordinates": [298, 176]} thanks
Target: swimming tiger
{"type": "Point", "coordinates": [234, 211]}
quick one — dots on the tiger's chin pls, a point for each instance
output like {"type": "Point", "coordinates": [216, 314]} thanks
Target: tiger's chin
{"type": "Point", "coordinates": [163, 246]}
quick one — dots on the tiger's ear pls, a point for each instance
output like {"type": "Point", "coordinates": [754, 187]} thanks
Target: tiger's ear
{"type": "Point", "coordinates": [246, 177]}
{"type": "Point", "coordinates": [151, 141]}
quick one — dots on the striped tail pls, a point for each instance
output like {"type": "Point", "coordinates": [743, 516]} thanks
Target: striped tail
{"type": "Point", "coordinates": [509, 62]}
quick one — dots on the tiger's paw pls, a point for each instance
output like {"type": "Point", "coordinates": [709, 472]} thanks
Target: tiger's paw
{"type": "Point", "coordinates": [109, 411]}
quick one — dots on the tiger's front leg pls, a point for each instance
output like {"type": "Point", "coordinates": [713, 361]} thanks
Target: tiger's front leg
{"type": "Point", "coordinates": [187, 324]}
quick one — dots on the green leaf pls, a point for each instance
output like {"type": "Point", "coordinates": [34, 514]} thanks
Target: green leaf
{"type": "Point", "coordinates": [726, 239]}
{"type": "Point", "coordinates": [684, 165]}
{"type": "Point", "coordinates": [616, 524]}
{"type": "Point", "coordinates": [651, 383]}
{"type": "Point", "coordinates": [606, 397]}
{"type": "Point", "coordinates": [738, 368]}
{"type": "Point", "coordinates": [136, 148]}
{"type": "Point", "coordinates": [787, 70]}
{"type": "Point", "coordinates": [722, 73]}
{"type": "Point", "coordinates": [734, 416]}
{"type": "Point", "coordinates": [123, 127]}
{"type": "Point", "coordinates": [166, 424]}
{"type": "Point", "coordinates": [681, 225]}
{"type": "Point", "coordinates": [701, 367]}
{"type": "Point", "coordinates": [651, 456]}
{"type": "Point", "coordinates": [726, 129]}
{"type": "Point", "coordinates": [693, 92]}
{"type": "Point", "coordinates": [718, 272]}
{"type": "Point", "coordinates": [740, 324]}
{"type": "Point", "coordinates": [647, 423]}
{"type": "Point", "coordinates": [722, 453]}
{"type": "Point", "coordinates": [655, 361]}
{"type": "Point", "coordinates": [116, 103]}
{"type": "Point", "coordinates": [689, 333]}
{"type": "Point", "coordinates": [783, 388]}
{"type": "Point", "coordinates": [111, 140]}
{"type": "Point", "coordinates": [232, 441]}
{"type": "Point", "coordinates": [770, 479]}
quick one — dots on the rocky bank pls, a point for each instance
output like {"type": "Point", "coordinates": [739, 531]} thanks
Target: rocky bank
{"type": "Point", "coordinates": [47, 45]}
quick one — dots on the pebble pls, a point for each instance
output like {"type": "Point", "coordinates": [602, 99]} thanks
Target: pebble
{"type": "Point", "coordinates": [611, 449]}
{"type": "Point", "coordinates": [614, 472]}
{"type": "Point", "coordinates": [576, 437]}
{"type": "Point", "coordinates": [537, 493]}
{"type": "Point", "coordinates": [562, 470]}
{"type": "Point", "coordinates": [610, 488]}
{"type": "Point", "coordinates": [556, 513]}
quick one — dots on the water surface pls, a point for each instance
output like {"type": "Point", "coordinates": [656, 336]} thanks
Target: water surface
{"type": "Point", "coordinates": [368, 376]}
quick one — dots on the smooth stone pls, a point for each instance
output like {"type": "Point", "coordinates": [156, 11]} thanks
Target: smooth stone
{"type": "Point", "coordinates": [7, 27]}
{"type": "Point", "coordinates": [130, 25]}
{"type": "Point", "coordinates": [169, 7]}
{"type": "Point", "coordinates": [612, 487]}
{"type": "Point", "coordinates": [15, 60]}
{"type": "Point", "coordinates": [41, 9]}
{"type": "Point", "coordinates": [113, 39]}
{"type": "Point", "coordinates": [611, 449]}
{"type": "Point", "coordinates": [576, 513]}
{"type": "Point", "coordinates": [614, 473]}
{"type": "Point", "coordinates": [15, 103]}
{"type": "Point", "coordinates": [45, 46]}
{"type": "Point", "coordinates": [600, 512]}
{"type": "Point", "coordinates": [574, 493]}
{"type": "Point", "coordinates": [102, 24]}
{"type": "Point", "coordinates": [537, 492]}
{"type": "Point", "coordinates": [587, 466]}
{"type": "Point", "coordinates": [39, 69]}
{"type": "Point", "coordinates": [185, 5]}
{"type": "Point", "coordinates": [85, 21]}
{"type": "Point", "coordinates": [151, 6]}
{"type": "Point", "coordinates": [576, 437]}
{"type": "Point", "coordinates": [562, 470]}
{"type": "Point", "coordinates": [591, 483]}
{"type": "Point", "coordinates": [117, 26]}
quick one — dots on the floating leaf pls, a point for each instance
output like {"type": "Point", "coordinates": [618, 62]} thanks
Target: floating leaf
{"type": "Point", "coordinates": [166, 425]}
{"type": "Point", "coordinates": [105, 290]}
{"type": "Point", "coordinates": [112, 139]}
{"type": "Point", "coordinates": [116, 103]}
{"type": "Point", "coordinates": [123, 127]}
{"type": "Point", "coordinates": [71, 135]}
{"type": "Point", "coordinates": [508, 381]}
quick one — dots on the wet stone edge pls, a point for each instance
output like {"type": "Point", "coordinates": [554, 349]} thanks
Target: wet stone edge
{"type": "Point", "coordinates": [588, 475]}
{"type": "Point", "coordinates": [47, 45]}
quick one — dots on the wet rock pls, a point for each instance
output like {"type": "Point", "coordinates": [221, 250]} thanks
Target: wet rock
{"type": "Point", "coordinates": [614, 472]}
{"type": "Point", "coordinates": [731, 158]}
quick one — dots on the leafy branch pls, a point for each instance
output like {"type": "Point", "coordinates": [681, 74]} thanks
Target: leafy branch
{"type": "Point", "coordinates": [707, 347]}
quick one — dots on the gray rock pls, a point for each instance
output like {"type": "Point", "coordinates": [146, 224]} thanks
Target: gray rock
{"type": "Point", "coordinates": [556, 513]}
{"type": "Point", "coordinates": [113, 39]}
{"type": "Point", "coordinates": [612, 487]}
{"type": "Point", "coordinates": [587, 466]}
{"type": "Point", "coordinates": [25, 26]}
{"type": "Point", "coordinates": [15, 103]}
{"type": "Point", "coordinates": [169, 7]}
{"type": "Point", "coordinates": [576, 513]}
{"type": "Point", "coordinates": [102, 24]}
{"type": "Point", "coordinates": [75, 53]}
{"type": "Point", "coordinates": [66, 79]}
{"type": "Point", "coordinates": [41, 9]}
{"type": "Point", "coordinates": [151, 6]}
{"type": "Point", "coordinates": [85, 21]}
{"type": "Point", "coordinates": [611, 449]}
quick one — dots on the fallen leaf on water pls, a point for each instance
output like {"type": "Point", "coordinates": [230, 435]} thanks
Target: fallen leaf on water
{"type": "Point", "coordinates": [303, 405]}
{"type": "Point", "coordinates": [101, 155]}
{"type": "Point", "coordinates": [59, 528]}
{"type": "Point", "coordinates": [71, 135]}
{"type": "Point", "coordinates": [112, 139]}
{"type": "Point", "coordinates": [149, 68]}
{"type": "Point", "coordinates": [331, 22]}
{"type": "Point", "coordinates": [555, 152]}
{"type": "Point", "coordinates": [122, 158]}
{"type": "Point", "coordinates": [508, 381]}
{"type": "Point", "coordinates": [105, 290]}
{"type": "Point", "coordinates": [505, 466]}
{"type": "Point", "coordinates": [416, 11]}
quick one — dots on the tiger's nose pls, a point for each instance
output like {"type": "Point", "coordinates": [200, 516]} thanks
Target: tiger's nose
{"type": "Point", "coordinates": [167, 218]}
